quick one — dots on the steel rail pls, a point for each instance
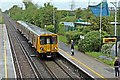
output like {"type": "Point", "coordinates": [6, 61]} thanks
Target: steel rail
{"type": "Point", "coordinates": [14, 52]}
{"type": "Point", "coordinates": [31, 63]}
{"type": "Point", "coordinates": [49, 70]}
{"type": "Point", "coordinates": [63, 69]}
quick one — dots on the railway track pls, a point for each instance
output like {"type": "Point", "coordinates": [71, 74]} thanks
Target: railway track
{"type": "Point", "coordinates": [24, 64]}
{"type": "Point", "coordinates": [58, 71]}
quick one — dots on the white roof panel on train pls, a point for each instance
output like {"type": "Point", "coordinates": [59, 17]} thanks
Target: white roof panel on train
{"type": "Point", "coordinates": [35, 29]}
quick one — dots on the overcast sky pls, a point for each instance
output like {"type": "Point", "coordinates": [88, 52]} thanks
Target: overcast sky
{"type": "Point", "coordinates": [60, 4]}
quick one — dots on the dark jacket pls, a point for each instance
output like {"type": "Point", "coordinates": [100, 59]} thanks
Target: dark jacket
{"type": "Point", "coordinates": [72, 46]}
{"type": "Point", "coordinates": [117, 63]}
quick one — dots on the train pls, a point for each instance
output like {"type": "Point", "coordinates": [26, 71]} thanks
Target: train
{"type": "Point", "coordinates": [45, 42]}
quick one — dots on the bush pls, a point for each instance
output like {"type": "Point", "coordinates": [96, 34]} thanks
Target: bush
{"type": "Point", "coordinates": [73, 35]}
{"type": "Point", "coordinates": [50, 28]}
{"type": "Point", "coordinates": [84, 29]}
{"type": "Point", "coordinates": [106, 49]}
{"type": "Point", "coordinates": [61, 29]}
{"type": "Point", "coordinates": [69, 19]}
{"type": "Point", "coordinates": [91, 42]}
{"type": "Point", "coordinates": [1, 18]}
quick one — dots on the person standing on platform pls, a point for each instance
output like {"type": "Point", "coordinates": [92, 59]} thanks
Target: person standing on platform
{"type": "Point", "coordinates": [72, 48]}
{"type": "Point", "coordinates": [116, 66]}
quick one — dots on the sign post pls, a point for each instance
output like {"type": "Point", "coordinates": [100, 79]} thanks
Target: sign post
{"type": "Point", "coordinates": [111, 39]}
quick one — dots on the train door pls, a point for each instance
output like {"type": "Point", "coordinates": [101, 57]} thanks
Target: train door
{"type": "Point", "coordinates": [48, 44]}
{"type": "Point", "coordinates": [45, 44]}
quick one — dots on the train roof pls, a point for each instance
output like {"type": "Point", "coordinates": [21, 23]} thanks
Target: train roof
{"type": "Point", "coordinates": [35, 29]}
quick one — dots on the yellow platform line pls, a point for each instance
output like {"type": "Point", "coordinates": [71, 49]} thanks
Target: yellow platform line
{"type": "Point", "coordinates": [5, 60]}
{"type": "Point", "coordinates": [82, 64]}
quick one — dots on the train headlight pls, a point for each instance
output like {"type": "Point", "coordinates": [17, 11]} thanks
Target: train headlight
{"type": "Point", "coordinates": [42, 49]}
{"type": "Point", "coordinates": [55, 48]}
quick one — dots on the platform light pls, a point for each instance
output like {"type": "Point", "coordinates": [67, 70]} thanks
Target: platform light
{"type": "Point", "coordinates": [109, 40]}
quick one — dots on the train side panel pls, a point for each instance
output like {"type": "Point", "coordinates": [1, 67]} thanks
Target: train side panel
{"type": "Point", "coordinates": [35, 41]}
{"type": "Point", "coordinates": [18, 26]}
{"type": "Point", "coordinates": [38, 45]}
{"type": "Point", "coordinates": [32, 38]}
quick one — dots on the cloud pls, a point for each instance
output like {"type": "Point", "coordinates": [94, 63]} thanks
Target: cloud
{"type": "Point", "coordinates": [119, 4]}
{"type": "Point", "coordinates": [1, 1]}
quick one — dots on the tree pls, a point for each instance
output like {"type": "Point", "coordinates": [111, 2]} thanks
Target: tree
{"type": "Point", "coordinates": [64, 13]}
{"type": "Point", "coordinates": [49, 15]}
{"type": "Point", "coordinates": [15, 12]}
{"type": "Point", "coordinates": [105, 24]}
{"type": "Point", "coordinates": [118, 14]}
{"type": "Point", "coordinates": [78, 13]}
{"type": "Point", "coordinates": [27, 3]}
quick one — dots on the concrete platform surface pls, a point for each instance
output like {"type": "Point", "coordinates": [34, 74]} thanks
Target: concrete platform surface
{"type": "Point", "coordinates": [7, 69]}
{"type": "Point", "coordinates": [90, 65]}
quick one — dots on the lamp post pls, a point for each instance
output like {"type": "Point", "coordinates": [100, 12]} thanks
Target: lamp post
{"type": "Point", "coordinates": [115, 5]}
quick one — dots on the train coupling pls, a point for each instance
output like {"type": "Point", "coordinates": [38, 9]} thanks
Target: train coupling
{"type": "Point", "coordinates": [49, 55]}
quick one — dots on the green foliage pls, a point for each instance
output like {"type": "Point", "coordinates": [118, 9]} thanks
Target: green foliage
{"type": "Point", "coordinates": [91, 42]}
{"type": "Point", "coordinates": [28, 4]}
{"type": "Point", "coordinates": [30, 12]}
{"type": "Point", "coordinates": [64, 13]}
{"type": "Point", "coordinates": [84, 29]}
{"type": "Point", "coordinates": [40, 16]}
{"type": "Point", "coordinates": [50, 28]}
{"type": "Point", "coordinates": [62, 38]}
{"type": "Point", "coordinates": [112, 16]}
{"type": "Point", "coordinates": [105, 25]}
{"type": "Point", "coordinates": [47, 14]}
{"type": "Point", "coordinates": [69, 19]}
{"type": "Point", "coordinates": [78, 13]}
{"type": "Point", "coordinates": [1, 19]}
{"type": "Point", "coordinates": [106, 49]}
{"type": "Point", "coordinates": [61, 30]}
{"type": "Point", "coordinates": [87, 15]}
{"type": "Point", "coordinates": [73, 35]}
{"type": "Point", "coordinates": [118, 15]}
{"type": "Point", "coordinates": [57, 20]}
{"type": "Point", "coordinates": [16, 12]}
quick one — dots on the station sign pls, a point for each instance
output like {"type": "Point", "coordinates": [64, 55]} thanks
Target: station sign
{"type": "Point", "coordinates": [110, 40]}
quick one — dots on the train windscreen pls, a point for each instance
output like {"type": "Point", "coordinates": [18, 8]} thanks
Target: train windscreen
{"type": "Point", "coordinates": [48, 40]}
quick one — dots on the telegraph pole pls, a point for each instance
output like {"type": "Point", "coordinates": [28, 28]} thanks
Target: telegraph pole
{"type": "Point", "coordinates": [51, 1]}
{"type": "Point", "coordinates": [72, 6]}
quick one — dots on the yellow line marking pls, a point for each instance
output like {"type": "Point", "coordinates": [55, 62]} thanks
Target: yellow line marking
{"type": "Point", "coordinates": [6, 70]}
{"type": "Point", "coordinates": [82, 64]}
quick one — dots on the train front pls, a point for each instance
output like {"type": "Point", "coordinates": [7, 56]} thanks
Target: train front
{"type": "Point", "coordinates": [48, 45]}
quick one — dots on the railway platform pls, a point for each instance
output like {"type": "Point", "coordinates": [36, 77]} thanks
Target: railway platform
{"type": "Point", "coordinates": [7, 69]}
{"type": "Point", "coordinates": [90, 65]}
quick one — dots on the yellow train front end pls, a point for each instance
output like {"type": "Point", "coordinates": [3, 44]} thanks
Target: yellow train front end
{"type": "Point", "coordinates": [48, 45]}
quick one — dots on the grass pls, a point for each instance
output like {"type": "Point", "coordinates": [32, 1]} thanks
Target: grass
{"type": "Point", "coordinates": [62, 38]}
{"type": "Point", "coordinates": [1, 20]}
{"type": "Point", "coordinates": [97, 54]}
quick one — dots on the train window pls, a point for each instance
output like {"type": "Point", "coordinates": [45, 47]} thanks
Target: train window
{"type": "Point", "coordinates": [42, 40]}
{"type": "Point", "coordinates": [48, 40]}
{"type": "Point", "coordinates": [54, 40]}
